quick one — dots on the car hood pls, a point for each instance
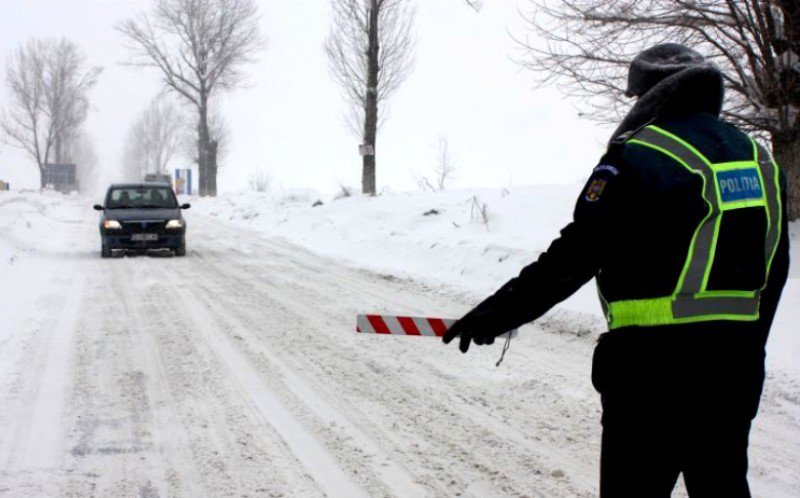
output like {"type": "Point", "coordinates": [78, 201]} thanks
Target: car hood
{"type": "Point", "coordinates": [143, 214]}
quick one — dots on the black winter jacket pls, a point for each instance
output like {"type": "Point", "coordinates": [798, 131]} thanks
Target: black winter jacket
{"type": "Point", "coordinates": [632, 226]}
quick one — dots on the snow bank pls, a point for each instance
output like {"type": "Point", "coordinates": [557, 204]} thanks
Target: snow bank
{"type": "Point", "coordinates": [468, 240]}
{"type": "Point", "coordinates": [33, 227]}
{"type": "Point", "coordinates": [28, 221]}
{"type": "Point", "coordinates": [443, 239]}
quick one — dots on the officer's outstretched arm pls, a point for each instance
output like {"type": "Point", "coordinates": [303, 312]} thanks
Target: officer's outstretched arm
{"type": "Point", "coordinates": [571, 260]}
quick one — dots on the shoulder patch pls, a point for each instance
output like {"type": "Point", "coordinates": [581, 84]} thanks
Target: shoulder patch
{"type": "Point", "coordinates": [595, 189]}
{"type": "Point", "coordinates": [606, 167]}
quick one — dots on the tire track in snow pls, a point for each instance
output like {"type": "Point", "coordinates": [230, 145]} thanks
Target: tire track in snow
{"type": "Point", "coordinates": [177, 476]}
{"type": "Point", "coordinates": [228, 445]}
{"type": "Point", "coordinates": [320, 464]}
{"type": "Point", "coordinates": [393, 474]}
{"type": "Point", "coordinates": [249, 288]}
{"type": "Point", "coordinates": [44, 447]}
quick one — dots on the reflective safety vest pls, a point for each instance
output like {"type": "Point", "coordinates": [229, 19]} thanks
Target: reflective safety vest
{"type": "Point", "coordinates": [753, 183]}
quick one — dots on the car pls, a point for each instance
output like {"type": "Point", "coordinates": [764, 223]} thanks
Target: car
{"type": "Point", "coordinates": [141, 217]}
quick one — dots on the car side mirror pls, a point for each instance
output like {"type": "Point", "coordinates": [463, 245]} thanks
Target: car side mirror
{"type": "Point", "coordinates": [98, 207]}
{"type": "Point", "coordinates": [186, 206]}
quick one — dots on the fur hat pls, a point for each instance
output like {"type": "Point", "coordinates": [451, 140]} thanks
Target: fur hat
{"type": "Point", "coordinates": [657, 63]}
{"type": "Point", "coordinates": [671, 79]}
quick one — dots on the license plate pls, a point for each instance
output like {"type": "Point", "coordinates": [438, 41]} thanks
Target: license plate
{"type": "Point", "coordinates": [144, 237]}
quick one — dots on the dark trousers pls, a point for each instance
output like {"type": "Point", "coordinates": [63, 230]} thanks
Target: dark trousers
{"type": "Point", "coordinates": [645, 448]}
{"type": "Point", "coordinates": [676, 404]}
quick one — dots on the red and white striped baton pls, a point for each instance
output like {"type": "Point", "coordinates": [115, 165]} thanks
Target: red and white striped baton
{"type": "Point", "coordinates": [407, 325]}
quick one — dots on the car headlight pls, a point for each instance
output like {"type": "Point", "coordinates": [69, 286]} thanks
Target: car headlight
{"type": "Point", "coordinates": [111, 225]}
{"type": "Point", "coordinates": [175, 224]}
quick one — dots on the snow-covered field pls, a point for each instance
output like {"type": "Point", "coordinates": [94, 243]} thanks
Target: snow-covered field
{"type": "Point", "coordinates": [236, 372]}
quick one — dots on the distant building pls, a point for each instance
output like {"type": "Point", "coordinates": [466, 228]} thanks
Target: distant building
{"type": "Point", "coordinates": [60, 177]}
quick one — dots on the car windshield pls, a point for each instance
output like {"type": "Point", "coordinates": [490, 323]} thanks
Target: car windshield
{"type": "Point", "coordinates": [141, 197]}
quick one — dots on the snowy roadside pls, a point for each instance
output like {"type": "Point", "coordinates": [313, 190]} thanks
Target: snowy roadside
{"type": "Point", "coordinates": [440, 238]}
{"type": "Point", "coordinates": [444, 240]}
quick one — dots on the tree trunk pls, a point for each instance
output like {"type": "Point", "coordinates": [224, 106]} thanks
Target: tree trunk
{"type": "Point", "coordinates": [58, 150]}
{"type": "Point", "coordinates": [42, 179]}
{"type": "Point", "coordinates": [202, 148]}
{"type": "Point", "coordinates": [368, 185]}
{"type": "Point", "coordinates": [786, 149]}
{"type": "Point", "coordinates": [211, 168]}
{"type": "Point", "coordinates": [368, 182]}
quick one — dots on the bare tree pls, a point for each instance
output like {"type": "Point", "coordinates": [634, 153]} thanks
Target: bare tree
{"type": "Point", "coordinates": [443, 170]}
{"type": "Point", "coordinates": [199, 47]}
{"type": "Point", "coordinates": [153, 138]}
{"type": "Point", "coordinates": [475, 4]}
{"type": "Point", "coordinates": [49, 85]}
{"type": "Point", "coordinates": [369, 53]}
{"type": "Point", "coordinates": [259, 180]}
{"type": "Point", "coordinates": [218, 134]}
{"type": "Point", "coordinates": [586, 46]}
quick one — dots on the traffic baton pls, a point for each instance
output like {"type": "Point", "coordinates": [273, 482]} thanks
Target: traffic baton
{"type": "Point", "coordinates": [408, 325]}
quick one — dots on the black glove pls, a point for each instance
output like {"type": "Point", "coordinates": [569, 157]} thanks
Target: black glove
{"type": "Point", "coordinates": [470, 329]}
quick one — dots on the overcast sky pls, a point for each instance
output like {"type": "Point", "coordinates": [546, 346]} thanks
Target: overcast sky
{"type": "Point", "coordinates": [288, 116]}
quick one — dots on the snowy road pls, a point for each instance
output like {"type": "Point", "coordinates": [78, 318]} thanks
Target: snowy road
{"type": "Point", "coordinates": [235, 371]}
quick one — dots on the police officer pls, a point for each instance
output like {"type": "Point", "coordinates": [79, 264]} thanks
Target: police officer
{"type": "Point", "coordinates": [682, 224]}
